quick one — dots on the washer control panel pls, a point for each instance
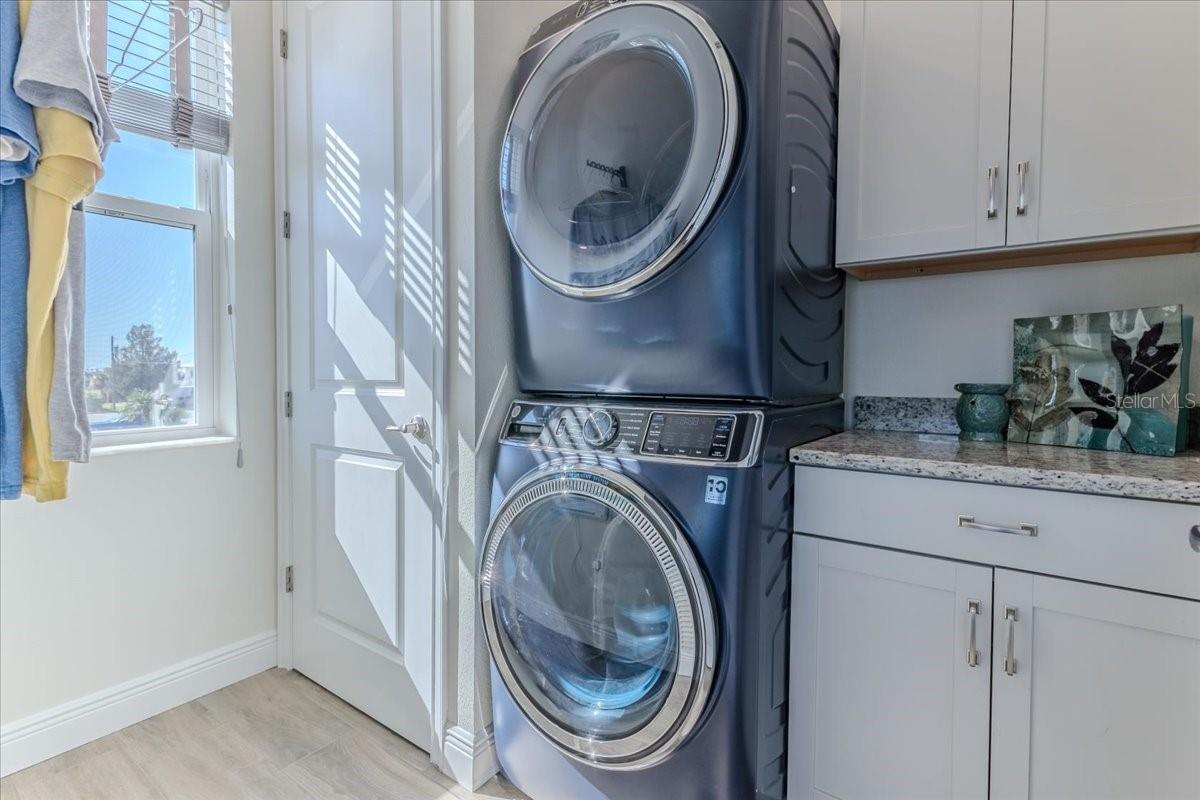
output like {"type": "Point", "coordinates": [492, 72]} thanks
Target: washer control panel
{"type": "Point", "coordinates": [687, 434]}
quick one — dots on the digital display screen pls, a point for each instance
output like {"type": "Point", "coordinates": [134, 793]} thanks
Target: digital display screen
{"type": "Point", "coordinates": [689, 435]}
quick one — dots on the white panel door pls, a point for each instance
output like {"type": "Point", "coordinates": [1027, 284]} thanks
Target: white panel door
{"type": "Point", "coordinates": [1105, 118]}
{"type": "Point", "coordinates": [885, 701]}
{"type": "Point", "coordinates": [923, 127]}
{"type": "Point", "coordinates": [365, 293]}
{"type": "Point", "coordinates": [1103, 699]}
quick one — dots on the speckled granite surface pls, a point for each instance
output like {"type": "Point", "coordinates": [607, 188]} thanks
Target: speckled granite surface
{"type": "Point", "coordinates": [915, 414]}
{"type": "Point", "coordinates": [1032, 466]}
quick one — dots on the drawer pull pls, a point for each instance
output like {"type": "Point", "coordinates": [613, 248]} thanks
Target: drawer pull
{"type": "Point", "coordinates": [972, 653]}
{"type": "Point", "coordinates": [1194, 538]}
{"type": "Point", "coordinates": [1010, 663]}
{"type": "Point", "coordinates": [1020, 529]}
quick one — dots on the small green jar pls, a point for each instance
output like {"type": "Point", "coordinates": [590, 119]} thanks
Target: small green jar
{"type": "Point", "coordinates": [982, 411]}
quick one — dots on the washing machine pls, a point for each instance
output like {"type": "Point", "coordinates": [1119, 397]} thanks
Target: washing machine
{"type": "Point", "coordinates": [634, 592]}
{"type": "Point", "coordinates": [667, 181]}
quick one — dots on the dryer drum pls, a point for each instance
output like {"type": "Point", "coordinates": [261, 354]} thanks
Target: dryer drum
{"type": "Point", "coordinates": [597, 617]}
{"type": "Point", "coordinates": [618, 148]}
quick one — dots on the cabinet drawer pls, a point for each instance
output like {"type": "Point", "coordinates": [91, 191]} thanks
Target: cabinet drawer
{"type": "Point", "coordinates": [1137, 544]}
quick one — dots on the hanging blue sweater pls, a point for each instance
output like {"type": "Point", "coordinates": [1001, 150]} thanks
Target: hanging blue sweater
{"type": "Point", "coordinates": [16, 116]}
{"type": "Point", "coordinates": [21, 145]}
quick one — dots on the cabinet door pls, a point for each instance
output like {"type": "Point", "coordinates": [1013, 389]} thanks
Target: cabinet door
{"type": "Point", "coordinates": [1102, 699]}
{"type": "Point", "coordinates": [885, 701]}
{"type": "Point", "coordinates": [1105, 119]}
{"type": "Point", "coordinates": [923, 120]}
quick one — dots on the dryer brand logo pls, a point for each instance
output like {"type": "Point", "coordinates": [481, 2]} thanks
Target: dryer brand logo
{"type": "Point", "coordinates": [715, 490]}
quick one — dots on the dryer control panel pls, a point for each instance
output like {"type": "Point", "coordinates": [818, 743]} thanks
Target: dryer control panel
{"type": "Point", "coordinates": [633, 431]}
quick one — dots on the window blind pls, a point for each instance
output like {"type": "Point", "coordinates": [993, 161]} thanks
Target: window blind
{"type": "Point", "coordinates": [165, 68]}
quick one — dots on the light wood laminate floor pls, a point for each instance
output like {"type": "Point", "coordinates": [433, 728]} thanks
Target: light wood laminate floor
{"type": "Point", "coordinates": [276, 736]}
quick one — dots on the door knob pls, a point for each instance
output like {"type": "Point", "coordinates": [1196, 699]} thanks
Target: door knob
{"type": "Point", "coordinates": [417, 427]}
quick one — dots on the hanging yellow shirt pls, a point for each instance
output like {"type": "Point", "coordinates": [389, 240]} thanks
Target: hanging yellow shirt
{"type": "Point", "coordinates": [66, 173]}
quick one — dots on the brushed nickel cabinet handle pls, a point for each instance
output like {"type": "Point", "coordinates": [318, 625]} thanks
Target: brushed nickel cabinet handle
{"type": "Point", "coordinates": [1010, 663]}
{"type": "Point", "coordinates": [1022, 173]}
{"type": "Point", "coordinates": [1020, 529]}
{"type": "Point", "coordinates": [972, 652]}
{"type": "Point", "coordinates": [992, 173]}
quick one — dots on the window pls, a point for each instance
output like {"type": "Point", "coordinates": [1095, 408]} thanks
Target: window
{"type": "Point", "coordinates": [151, 284]}
{"type": "Point", "coordinates": [153, 240]}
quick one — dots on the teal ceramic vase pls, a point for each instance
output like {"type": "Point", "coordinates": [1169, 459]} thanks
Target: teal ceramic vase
{"type": "Point", "coordinates": [982, 411]}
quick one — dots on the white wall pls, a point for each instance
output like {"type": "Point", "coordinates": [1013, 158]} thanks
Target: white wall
{"type": "Point", "coordinates": [159, 555]}
{"type": "Point", "coordinates": [483, 40]}
{"type": "Point", "coordinates": [501, 32]}
{"type": "Point", "coordinates": [919, 336]}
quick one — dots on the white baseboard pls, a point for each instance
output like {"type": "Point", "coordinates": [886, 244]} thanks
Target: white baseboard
{"type": "Point", "coordinates": [57, 730]}
{"type": "Point", "coordinates": [471, 757]}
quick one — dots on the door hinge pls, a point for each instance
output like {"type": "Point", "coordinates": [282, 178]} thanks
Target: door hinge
{"type": "Point", "coordinates": [287, 404]}
{"type": "Point", "coordinates": [287, 224]}
{"type": "Point", "coordinates": [283, 43]}
{"type": "Point", "coordinates": [287, 578]}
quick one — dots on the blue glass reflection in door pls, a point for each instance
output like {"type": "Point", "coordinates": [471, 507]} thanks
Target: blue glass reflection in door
{"type": "Point", "coordinates": [586, 617]}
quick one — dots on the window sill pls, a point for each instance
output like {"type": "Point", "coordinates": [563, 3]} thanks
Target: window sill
{"type": "Point", "coordinates": [100, 451]}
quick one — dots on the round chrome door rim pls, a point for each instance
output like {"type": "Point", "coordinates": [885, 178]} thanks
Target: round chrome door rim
{"type": "Point", "coordinates": [720, 173]}
{"type": "Point", "coordinates": [693, 677]}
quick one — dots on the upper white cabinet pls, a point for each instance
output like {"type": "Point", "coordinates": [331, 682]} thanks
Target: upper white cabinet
{"type": "Point", "coordinates": [923, 134]}
{"type": "Point", "coordinates": [1089, 113]}
{"type": "Point", "coordinates": [1106, 118]}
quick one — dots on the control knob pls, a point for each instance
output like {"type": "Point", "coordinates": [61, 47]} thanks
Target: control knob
{"type": "Point", "coordinates": [599, 428]}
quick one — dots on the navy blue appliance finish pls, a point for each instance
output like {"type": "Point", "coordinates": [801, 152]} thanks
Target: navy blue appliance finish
{"type": "Point", "coordinates": [733, 745]}
{"type": "Point", "coordinates": [752, 308]}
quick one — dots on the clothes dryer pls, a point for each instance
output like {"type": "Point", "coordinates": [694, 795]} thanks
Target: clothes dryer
{"type": "Point", "coordinates": [667, 181]}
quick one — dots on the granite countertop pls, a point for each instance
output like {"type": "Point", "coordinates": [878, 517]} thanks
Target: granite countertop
{"type": "Point", "coordinates": [1064, 469]}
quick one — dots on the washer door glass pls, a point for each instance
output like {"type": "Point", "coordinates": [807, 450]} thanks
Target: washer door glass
{"type": "Point", "coordinates": [618, 148]}
{"type": "Point", "coordinates": [591, 620]}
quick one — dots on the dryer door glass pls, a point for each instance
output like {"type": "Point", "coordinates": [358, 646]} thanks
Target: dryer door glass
{"type": "Point", "coordinates": [618, 148]}
{"type": "Point", "coordinates": [591, 620]}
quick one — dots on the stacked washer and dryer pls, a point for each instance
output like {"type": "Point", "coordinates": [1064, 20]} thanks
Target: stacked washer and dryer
{"type": "Point", "coordinates": [667, 179]}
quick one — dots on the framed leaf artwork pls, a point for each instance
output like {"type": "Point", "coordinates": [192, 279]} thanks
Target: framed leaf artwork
{"type": "Point", "coordinates": [1113, 380]}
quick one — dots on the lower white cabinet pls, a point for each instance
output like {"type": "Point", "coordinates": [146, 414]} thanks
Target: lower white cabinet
{"type": "Point", "coordinates": [1103, 699]}
{"type": "Point", "coordinates": [912, 675]}
{"type": "Point", "coordinates": [885, 701]}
